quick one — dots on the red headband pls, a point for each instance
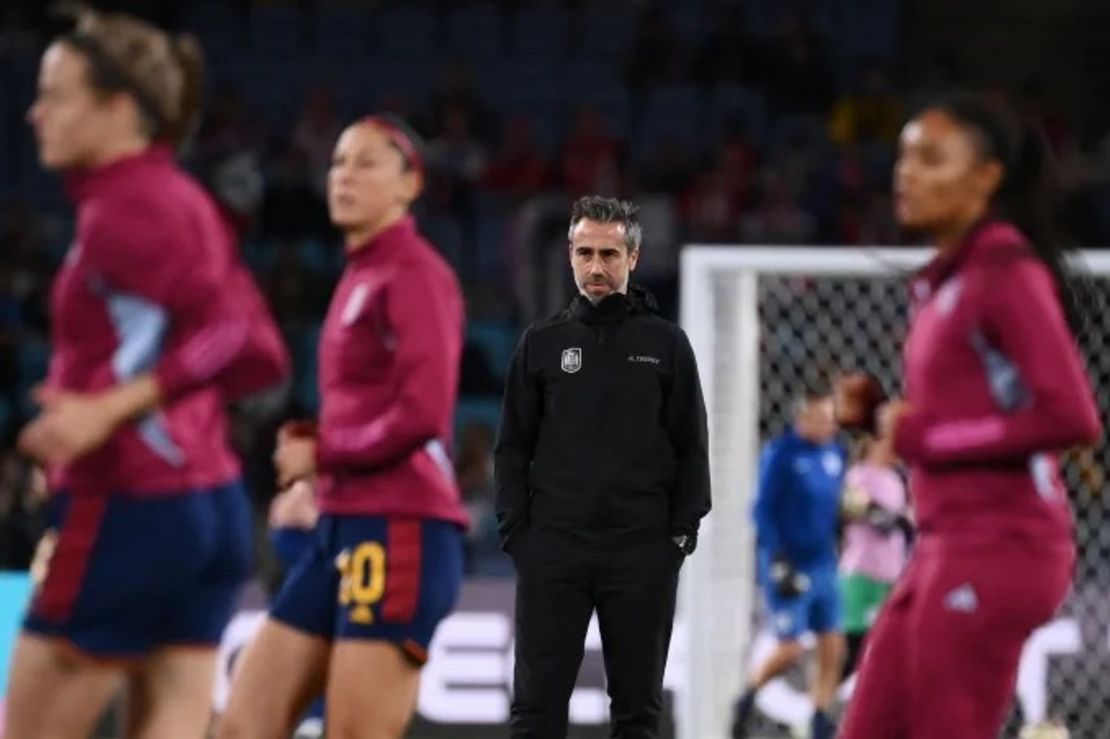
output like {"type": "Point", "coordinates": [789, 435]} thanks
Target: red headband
{"type": "Point", "coordinates": [400, 139]}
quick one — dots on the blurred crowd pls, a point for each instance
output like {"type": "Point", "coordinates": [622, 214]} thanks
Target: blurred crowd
{"type": "Point", "coordinates": [760, 122]}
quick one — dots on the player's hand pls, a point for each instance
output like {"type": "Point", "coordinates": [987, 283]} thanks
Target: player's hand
{"type": "Point", "coordinates": [888, 417]}
{"type": "Point", "coordinates": [70, 426]}
{"type": "Point", "coordinates": [856, 397]}
{"type": "Point", "coordinates": [295, 507]}
{"type": "Point", "coordinates": [294, 459]}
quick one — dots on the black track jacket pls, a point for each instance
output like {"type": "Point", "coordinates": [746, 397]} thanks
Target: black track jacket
{"type": "Point", "coordinates": [603, 425]}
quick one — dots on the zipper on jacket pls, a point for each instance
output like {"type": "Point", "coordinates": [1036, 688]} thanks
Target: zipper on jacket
{"type": "Point", "coordinates": [603, 504]}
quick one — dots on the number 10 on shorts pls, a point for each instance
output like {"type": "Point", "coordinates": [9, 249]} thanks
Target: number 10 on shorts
{"type": "Point", "coordinates": [362, 579]}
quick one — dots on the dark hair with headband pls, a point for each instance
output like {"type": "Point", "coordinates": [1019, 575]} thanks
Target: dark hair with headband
{"type": "Point", "coordinates": [402, 137]}
{"type": "Point", "coordinates": [1029, 193]}
{"type": "Point", "coordinates": [162, 74]}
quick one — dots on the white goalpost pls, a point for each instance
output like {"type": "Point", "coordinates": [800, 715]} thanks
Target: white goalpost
{"type": "Point", "coordinates": [762, 320]}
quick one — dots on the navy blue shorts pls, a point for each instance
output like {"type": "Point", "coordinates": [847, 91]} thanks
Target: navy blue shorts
{"type": "Point", "coordinates": [375, 578]}
{"type": "Point", "coordinates": [120, 576]}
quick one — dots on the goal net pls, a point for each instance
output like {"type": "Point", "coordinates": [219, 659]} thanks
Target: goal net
{"type": "Point", "coordinates": [764, 320]}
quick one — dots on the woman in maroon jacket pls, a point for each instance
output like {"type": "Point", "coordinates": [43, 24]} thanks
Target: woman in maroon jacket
{"type": "Point", "coordinates": [356, 614]}
{"type": "Point", "coordinates": [155, 327]}
{"type": "Point", "coordinates": [995, 390]}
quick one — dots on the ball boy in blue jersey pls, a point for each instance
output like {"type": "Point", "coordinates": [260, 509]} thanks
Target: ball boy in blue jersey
{"type": "Point", "coordinates": [796, 517]}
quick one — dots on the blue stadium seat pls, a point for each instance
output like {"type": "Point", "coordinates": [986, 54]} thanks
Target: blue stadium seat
{"type": "Point", "coordinates": [670, 112]}
{"type": "Point", "coordinates": [389, 79]}
{"type": "Point", "coordinates": [532, 90]}
{"type": "Point", "coordinates": [868, 29]}
{"type": "Point", "coordinates": [689, 21]}
{"type": "Point", "coordinates": [276, 31]}
{"type": "Point", "coordinates": [407, 31]}
{"type": "Point", "coordinates": [274, 91]}
{"type": "Point", "coordinates": [343, 32]}
{"type": "Point", "coordinates": [587, 76]}
{"type": "Point", "coordinates": [541, 30]}
{"type": "Point", "coordinates": [215, 25]}
{"type": "Point", "coordinates": [821, 15]}
{"type": "Point", "coordinates": [761, 16]}
{"type": "Point", "coordinates": [475, 31]}
{"type": "Point", "coordinates": [606, 32]}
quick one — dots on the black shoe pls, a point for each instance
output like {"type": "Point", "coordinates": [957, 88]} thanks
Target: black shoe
{"type": "Point", "coordinates": [823, 726]}
{"type": "Point", "coordinates": [744, 708]}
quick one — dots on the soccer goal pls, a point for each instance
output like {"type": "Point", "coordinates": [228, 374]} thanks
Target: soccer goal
{"type": "Point", "coordinates": [763, 320]}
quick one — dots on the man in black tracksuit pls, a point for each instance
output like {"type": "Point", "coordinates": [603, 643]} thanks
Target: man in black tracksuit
{"type": "Point", "coordinates": [602, 477]}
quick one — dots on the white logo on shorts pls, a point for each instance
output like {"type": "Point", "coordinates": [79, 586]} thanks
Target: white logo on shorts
{"type": "Point", "coordinates": [572, 359]}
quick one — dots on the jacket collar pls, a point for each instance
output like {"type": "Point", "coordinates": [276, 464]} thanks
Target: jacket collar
{"type": "Point", "coordinates": [81, 183]}
{"type": "Point", "coordinates": [614, 306]}
{"type": "Point", "coordinates": [392, 238]}
{"type": "Point", "coordinates": [985, 237]}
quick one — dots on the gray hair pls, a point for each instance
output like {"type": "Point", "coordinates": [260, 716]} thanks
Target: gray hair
{"type": "Point", "coordinates": [609, 210]}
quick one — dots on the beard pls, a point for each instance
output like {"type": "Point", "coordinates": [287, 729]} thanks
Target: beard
{"type": "Point", "coordinates": [595, 299]}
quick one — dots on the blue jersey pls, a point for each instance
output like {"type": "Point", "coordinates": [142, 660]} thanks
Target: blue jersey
{"type": "Point", "coordinates": [797, 505]}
